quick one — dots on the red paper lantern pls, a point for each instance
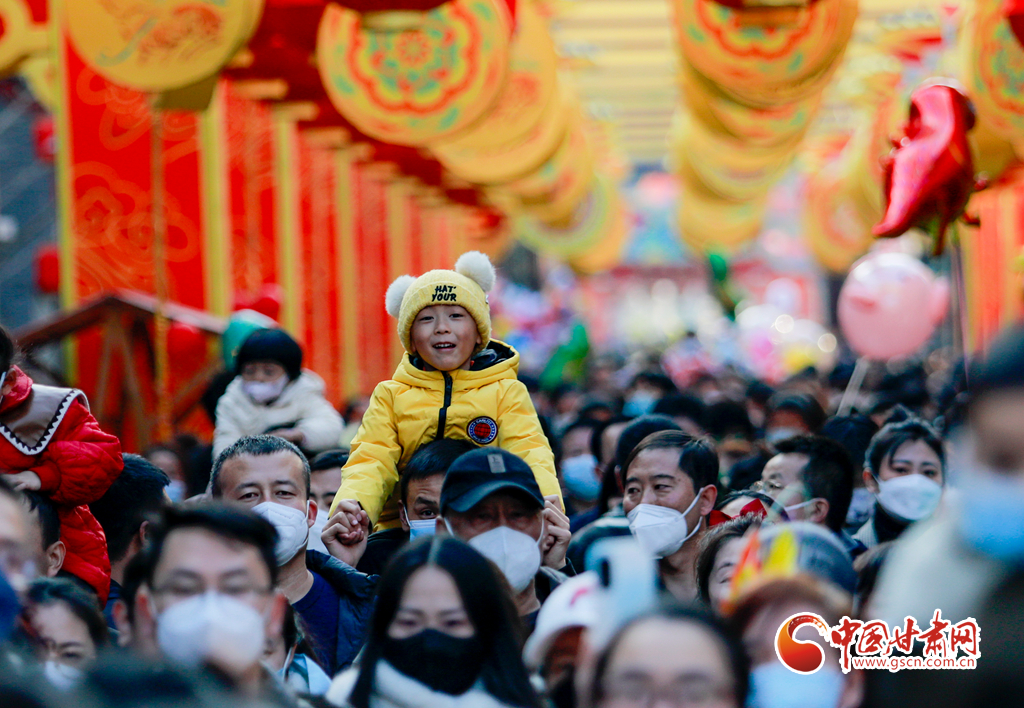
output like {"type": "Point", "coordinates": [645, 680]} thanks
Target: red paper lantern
{"type": "Point", "coordinates": [48, 269]}
{"type": "Point", "coordinates": [241, 301]}
{"type": "Point", "coordinates": [269, 300]}
{"type": "Point", "coordinates": [266, 302]}
{"type": "Point", "coordinates": [186, 344]}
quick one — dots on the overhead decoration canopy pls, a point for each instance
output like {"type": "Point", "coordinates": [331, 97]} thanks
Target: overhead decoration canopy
{"type": "Point", "coordinates": [620, 56]}
{"type": "Point", "coordinates": [251, 137]}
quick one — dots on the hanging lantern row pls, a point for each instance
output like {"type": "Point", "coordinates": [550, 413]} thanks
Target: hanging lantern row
{"type": "Point", "coordinates": [752, 75]}
{"type": "Point", "coordinates": [469, 87]}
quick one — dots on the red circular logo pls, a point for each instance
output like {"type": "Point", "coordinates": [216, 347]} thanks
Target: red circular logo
{"type": "Point", "coordinates": [800, 656]}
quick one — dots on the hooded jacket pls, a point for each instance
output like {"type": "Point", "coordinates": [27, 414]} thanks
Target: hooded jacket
{"type": "Point", "coordinates": [301, 405]}
{"type": "Point", "coordinates": [486, 405]}
{"type": "Point", "coordinates": [50, 431]}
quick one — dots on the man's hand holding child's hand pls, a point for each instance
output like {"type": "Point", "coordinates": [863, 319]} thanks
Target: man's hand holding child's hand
{"type": "Point", "coordinates": [346, 532]}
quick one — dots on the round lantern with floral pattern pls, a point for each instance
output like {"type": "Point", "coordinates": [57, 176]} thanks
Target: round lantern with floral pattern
{"type": "Point", "coordinates": [415, 85]}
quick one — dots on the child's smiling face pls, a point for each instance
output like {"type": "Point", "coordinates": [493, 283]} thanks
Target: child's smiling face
{"type": "Point", "coordinates": [445, 336]}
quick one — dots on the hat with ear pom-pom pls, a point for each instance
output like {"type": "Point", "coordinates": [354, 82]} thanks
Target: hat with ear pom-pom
{"type": "Point", "coordinates": [467, 285]}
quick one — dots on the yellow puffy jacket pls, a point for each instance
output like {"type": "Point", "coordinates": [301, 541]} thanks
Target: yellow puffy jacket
{"type": "Point", "coordinates": [488, 406]}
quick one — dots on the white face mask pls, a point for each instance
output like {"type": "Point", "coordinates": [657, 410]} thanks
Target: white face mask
{"type": "Point", "coordinates": [62, 676]}
{"type": "Point", "coordinates": [264, 392]}
{"type": "Point", "coordinates": [315, 543]}
{"type": "Point", "coordinates": [909, 497]}
{"type": "Point", "coordinates": [212, 628]}
{"type": "Point", "coordinates": [291, 526]}
{"type": "Point", "coordinates": [659, 530]}
{"type": "Point", "coordinates": [515, 553]}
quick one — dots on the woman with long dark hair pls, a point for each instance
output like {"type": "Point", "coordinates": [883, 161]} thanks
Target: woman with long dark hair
{"type": "Point", "coordinates": [904, 468]}
{"type": "Point", "coordinates": [444, 634]}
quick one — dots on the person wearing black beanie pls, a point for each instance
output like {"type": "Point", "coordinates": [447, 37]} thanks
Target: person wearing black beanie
{"type": "Point", "coordinates": [273, 394]}
{"type": "Point", "coordinates": [273, 345]}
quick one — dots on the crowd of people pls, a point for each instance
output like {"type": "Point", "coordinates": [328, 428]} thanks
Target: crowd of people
{"type": "Point", "coordinates": [465, 539]}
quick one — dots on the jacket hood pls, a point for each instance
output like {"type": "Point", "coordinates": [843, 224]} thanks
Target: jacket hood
{"type": "Point", "coordinates": [22, 388]}
{"type": "Point", "coordinates": [497, 361]}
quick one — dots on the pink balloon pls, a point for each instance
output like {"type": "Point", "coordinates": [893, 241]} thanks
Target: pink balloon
{"type": "Point", "coordinates": [890, 305]}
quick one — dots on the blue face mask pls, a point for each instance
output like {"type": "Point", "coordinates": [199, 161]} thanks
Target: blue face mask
{"type": "Point", "coordinates": [639, 404]}
{"type": "Point", "coordinates": [992, 515]}
{"type": "Point", "coordinates": [581, 481]}
{"type": "Point", "coordinates": [772, 685]}
{"type": "Point", "coordinates": [421, 527]}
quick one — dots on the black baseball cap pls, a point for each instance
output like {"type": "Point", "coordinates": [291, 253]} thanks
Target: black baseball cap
{"type": "Point", "coordinates": [482, 472]}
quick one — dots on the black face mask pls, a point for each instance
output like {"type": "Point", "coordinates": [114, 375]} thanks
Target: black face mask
{"type": "Point", "coordinates": [437, 660]}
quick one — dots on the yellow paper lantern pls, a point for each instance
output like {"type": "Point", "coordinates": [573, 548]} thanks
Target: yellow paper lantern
{"type": "Point", "coordinates": [992, 64]}
{"type": "Point", "coordinates": [499, 164]}
{"type": "Point", "coordinates": [41, 76]}
{"type": "Point", "coordinates": [419, 84]}
{"type": "Point", "coordinates": [159, 45]}
{"type": "Point", "coordinates": [761, 127]}
{"type": "Point", "coordinates": [761, 64]}
{"type": "Point", "coordinates": [707, 222]}
{"type": "Point", "coordinates": [607, 253]}
{"type": "Point", "coordinates": [834, 229]}
{"type": "Point", "coordinates": [529, 87]}
{"type": "Point", "coordinates": [583, 231]}
{"type": "Point", "coordinates": [574, 157]}
{"type": "Point", "coordinates": [730, 168]}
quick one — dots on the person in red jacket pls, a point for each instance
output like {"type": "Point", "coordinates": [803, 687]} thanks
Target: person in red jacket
{"type": "Point", "coordinates": [49, 442]}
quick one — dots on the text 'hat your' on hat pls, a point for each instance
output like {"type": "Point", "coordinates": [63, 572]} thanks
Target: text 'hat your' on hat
{"type": "Point", "coordinates": [480, 473]}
